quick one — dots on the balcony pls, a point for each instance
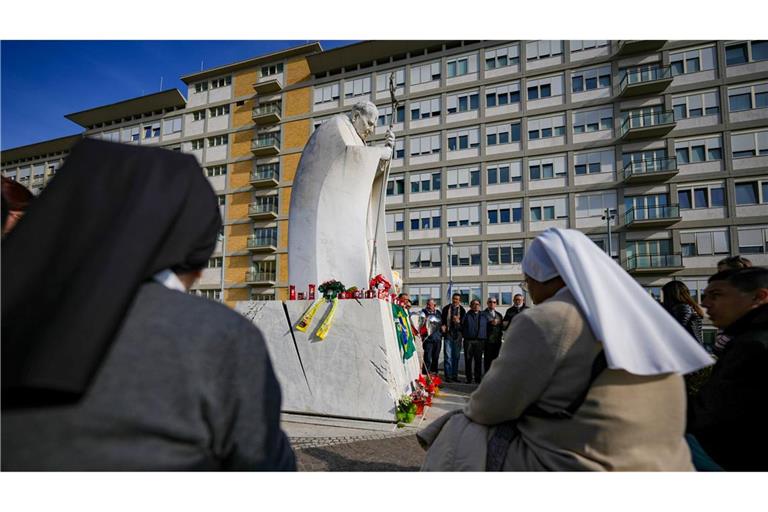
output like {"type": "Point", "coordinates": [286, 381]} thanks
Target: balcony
{"type": "Point", "coordinates": [262, 243]}
{"type": "Point", "coordinates": [633, 46]}
{"type": "Point", "coordinates": [37, 181]}
{"type": "Point", "coordinates": [651, 216]}
{"type": "Point", "coordinates": [269, 113]}
{"type": "Point", "coordinates": [650, 170]}
{"type": "Point", "coordinates": [643, 126]}
{"type": "Point", "coordinates": [263, 211]}
{"type": "Point", "coordinates": [645, 81]}
{"type": "Point", "coordinates": [266, 145]}
{"type": "Point", "coordinates": [254, 277]}
{"type": "Point", "coordinates": [266, 177]}
{"type": "Point", "coordinates": [654, 263]}
{"type": "Point", "coordinates": [268, 85]}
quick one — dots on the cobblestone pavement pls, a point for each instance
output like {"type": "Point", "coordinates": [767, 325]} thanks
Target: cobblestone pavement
{"type": "Point", "coordinates": [399, 453]}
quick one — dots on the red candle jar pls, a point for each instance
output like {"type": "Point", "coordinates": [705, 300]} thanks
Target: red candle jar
{"type": "Point", "coordinates": [301, 295]}
{"type": "Point", "coordinates": [311, 292]}
{"type": "Point", "coordinates": [291, 292]}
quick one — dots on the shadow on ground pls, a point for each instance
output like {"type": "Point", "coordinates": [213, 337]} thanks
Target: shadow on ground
{"type": "Point", "coordinates": [393, 454]}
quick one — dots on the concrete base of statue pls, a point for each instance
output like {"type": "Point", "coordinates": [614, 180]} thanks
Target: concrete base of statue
{"type": "Point", "coordinates": [357, 371]}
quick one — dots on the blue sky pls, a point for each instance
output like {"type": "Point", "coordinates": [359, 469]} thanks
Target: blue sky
{"type": "Point", "coordinates": [42, 81]}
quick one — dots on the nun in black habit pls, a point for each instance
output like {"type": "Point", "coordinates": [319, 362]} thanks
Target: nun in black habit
{"type": "Point", "coordinates": [107, 362]}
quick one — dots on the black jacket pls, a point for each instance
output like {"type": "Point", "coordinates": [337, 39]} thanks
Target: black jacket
{"type": "Point", "coordinates": [511, 312]}
{"type": "Point", "coordinates": [446, 316]}
{"type": "Point", "coordinates": [729, 416]}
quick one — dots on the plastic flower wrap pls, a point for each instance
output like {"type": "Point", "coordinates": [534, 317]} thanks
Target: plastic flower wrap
{"type": "Point", "coordinates": [331, 289]}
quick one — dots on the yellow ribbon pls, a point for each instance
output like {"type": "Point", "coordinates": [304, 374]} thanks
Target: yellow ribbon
{"type": "Point", "coordinates": [325, 326]}
{"type": "Point", "coordinates": [308, 315]}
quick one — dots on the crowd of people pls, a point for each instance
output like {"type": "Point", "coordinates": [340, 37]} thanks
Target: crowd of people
{"type": "Point", "coordinates": [120, 373]}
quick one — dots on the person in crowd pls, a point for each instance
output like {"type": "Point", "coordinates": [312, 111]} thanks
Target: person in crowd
{"type": "Point", "coordinates": [452, 318]}
{"type": "Point", "coordinates": [404, 300]}
{"type": "Point", "coordinates": [474, 329]}
{"type": "Point", "coordinates": [678, 302]}
{"type": "Point", "coordinates": [518, 306]}
{"type": "Point", "coordinates": [432, 342]}
{"type": "Point", "coordinates": [733, 263]}
{"type": "Point", "coordinates": [493, 344]}
{"type": "Point", "coordinates": [108, 363]}
{"type": "Point", "coordinates": [593, 368]}
{"type": "Point", "coordinates": [15, 199]}
{"type": "Point", "coordinates": [728, 418]}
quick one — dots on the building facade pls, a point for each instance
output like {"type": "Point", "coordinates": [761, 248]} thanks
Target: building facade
{"type": "Point", "coordinates": [496, 141]}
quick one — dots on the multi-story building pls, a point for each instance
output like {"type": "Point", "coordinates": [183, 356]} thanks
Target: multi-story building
{"type": "Point", "coordinates": [496, 141]}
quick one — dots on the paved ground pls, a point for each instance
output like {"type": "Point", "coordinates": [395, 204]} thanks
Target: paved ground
{"type": "Point", "coordinates": [325, 444]}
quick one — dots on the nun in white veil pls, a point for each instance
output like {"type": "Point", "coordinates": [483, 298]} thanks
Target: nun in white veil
{"type": "Point", "coordinates": [589, 379]}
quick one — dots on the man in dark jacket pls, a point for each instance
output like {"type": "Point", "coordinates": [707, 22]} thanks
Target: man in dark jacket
{"type": "Point", "coordinates": [518, 306]}
{"type": "Point", "coordinates": [729, 416]}
{"type": "Point", "coordinates": [452, 317]}
{"type": "Point", "coordinates": [493, 345]}
{"type": "Point", "coordinates": [475, 331]}
{"type": "Point", "coordinates": [432, 342]}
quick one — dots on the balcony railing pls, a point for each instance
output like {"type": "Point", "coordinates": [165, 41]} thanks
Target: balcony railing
{"type": "Point", "coordinates": [654, 262]}
{"type": "Point", "coordinates": [652, 215]}
{"type": "Point", "coordinates": [630, 46]}
{"type": "Point", "coordinates": [265, 176]}
{"type": "Point", "coordinates": [648, 170]}
{"type": "Point", "coordinates": [649, 124]}
{"type": "Point", "coordinates": [266, 144]}
{"type": "Point", "coordinates": [268, 209]}
{"type": "Point", "coordinates": [254, 276]}
{"type": "Point", "coordinates": [262, 241]}
{"type": "Point", "coordinates": [267, 113]}
{"type": "Point", "coordinates": [270, 84]}
{"type": "Point", "coordinates": [645, 80]}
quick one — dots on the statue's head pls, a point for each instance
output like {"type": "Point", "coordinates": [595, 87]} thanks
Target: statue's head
{"type": "Point", "coordinates": [363, 117]}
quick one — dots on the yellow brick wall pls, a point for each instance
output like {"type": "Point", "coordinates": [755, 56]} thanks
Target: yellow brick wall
{"type": "Point", "coordinates": [282, 266]}
{"type": "Point", "coordinates": [238, 206]}
{"type": "Point", "coordinates": [288, 166]}
{"type": "Point", "coordinates": [241, 143]}
{"type": "Point", "coordinates": [243, 115]}
{"type": "Point", "coordinates": [285, 200]}
{"type": "Point", "coordinates": [235, 294]}
{"type": "Point", "coordinates": [240, 174]}
{"type": "Point", "coordinates": [282, 234]}
{"type": "Point", "coordinates": [296, 70]}
{"type": "Point", "coordinates": [295, 134]}
{"type": "Point", "coordinates": [236, 269]}
{"type": "Point", "coordinates": [237, 237]}
{"type": "Point", "coordinates": [244, 81]}
{"type": "Point", "coordinates": [297, 102]}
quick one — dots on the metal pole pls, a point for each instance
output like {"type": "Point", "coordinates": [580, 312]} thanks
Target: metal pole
{"type": "Point", "coordinates": [450, 267]}
{"type": "Point", "coordinates": [608, 218]}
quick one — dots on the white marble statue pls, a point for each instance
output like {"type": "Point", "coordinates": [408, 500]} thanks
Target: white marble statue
{"type": "Point", "coordinates": [335, 202]}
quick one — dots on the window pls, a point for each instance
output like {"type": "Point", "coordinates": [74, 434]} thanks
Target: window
{"type": "Point", "coordinates": [505, 213]}
{"type": "Point", "coordinates": [535, 50]}
{"type": "Point", "coordinates": [395, 222]}
{"type": "Point", "coordinates": [753, 240]}
{"type": "Point", "coordinates": [701, 196]}
{"type": "Point", "coordinates": [425, 257]}
{"type": "Point", "coordinates": [396, 258]}
{"type": "Point", "coordinates": [593, 162]}
{"type": "Point", "coordinates": [749, 51]}
{"type": "Point", "coordinates": [216, 170]}
{"type": "Point", "coordinates": [395, 186]}
{"type": "Point", "coordinates": [459, 216]}
{"type": "Point", "coordinates": [425, 144]}
{"type": "Point", "coordinates": [201, 86]}
{"type": "Point", "coordinates": [399, 149]}
{"type": "Point", "coordinates": [382, 79]}
{"type": "Point", "coordinates": [421, 294]}
{"type": "Point", "coordinates": [221, 199]}
{"type": "Point", "coordinates": [460, 66]}
{"type": "Point", "coordinates": [745, 145]}
{"type": "Point", "coordinates": [198, 115]}
{"type": "Point", "coordinates": [749, 97]}
{"type": "Point", "coordinates": [704, 243]}
{"type": "Point", "coordinates": [215, 262]}
{"type": "Point", "coordinates": [546, 127]}
{"type": "Point", "coordinates": [692, 61]}
{"type": "Point", "coordinates": [425, 219]}
{"type": "Point", "coordinates": [502, 95]}
{"type": "Point", "coordinates": [425, 182]}
{"type": "Point", "coordinates": [219, 111]}
{"type": "Point", "coordinates": [464, 177]}
{"type": "Point", "coordinates": [580, 46]}
{"type": "Point", "coordinates": [219, 140]}
{"type": "Point", "coordinates": [469, 292]}
{"type": "Point", "coordinates": [505, 253]}
{"type": "Point", "coordinates": [502, 133]}
{"type": "Point", "coordinates": [425, 73]}
{"type": "Point", "coordinates": [594, 205]}
{"type": "Point", "coordinates": [465, 256]}
{"type": "Point", "coordinates": [463, 139]}
{"type": "Point", "coordinates": [546, 168]}
{"type": "Point", "coordinates": [385, 115]}
{"type": "Point", "coordinates": [273, 69]}
{"type": "Point", "coordinates": [502, 57]}
{"type": "Point", "coordinates": [114, 136]}
{"type": "Point", "coordinates": [548, 209]}
{"type": "Point", "coordinates": [172, 125]}
{"type": "Point", "coordinates": [698, 150]}
{"type": "Point", "coordinates": [752, 192]}
{"type": "Point", "coordinates": [221, 82]}
{"type": "Point", "coordinates": [462, 102]}
{"type": "Point", "coordinates": [544, 87]}
{"type": "Point", "coordinates": [326, 94]}
{"type": "Point", "coordinates": [208, 294]}
{"type": "Point", "coordinates": [585, 121]}
{"type": "Point", "coordinates": [152, 131]}
{"type": "Point", "coordinates": [507, 172]}
{"type": "Point", "coordinates": [696, 105]}
{"type": "Point", "coordinates": [649, 160]}
{"type": "Point", "coordinates": [426, 108]}
{"type": "Point", "coordinates": [591, 79]}
{"type": "Point", "coordinates": [357, 87]}
{"type": "Point", "coordinates": [197, 144]}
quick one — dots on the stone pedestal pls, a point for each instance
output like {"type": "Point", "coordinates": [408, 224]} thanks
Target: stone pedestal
{"type": "Point", "coordinates": [357, 371]}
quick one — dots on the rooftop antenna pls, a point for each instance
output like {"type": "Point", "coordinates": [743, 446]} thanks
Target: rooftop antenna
{"type": "Point", "coordinates": [201, 65]}
{"type": "Point", "coordinates": [161, 83]}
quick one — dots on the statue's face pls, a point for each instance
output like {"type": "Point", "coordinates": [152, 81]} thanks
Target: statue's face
{"type": "Point", "coordinates": [364, 123]}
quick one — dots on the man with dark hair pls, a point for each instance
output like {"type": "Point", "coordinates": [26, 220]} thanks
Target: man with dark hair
{"type": "Point", "coordinates": [452, 318]}
{"type": "Point", "coordinates": [518, 306]}
{"type": "Point", "coordinates": [729, 416]}
{"type": "Point", "coordinates": [733, 263]}
{"type": "Point", "coordinates": [475, 332]}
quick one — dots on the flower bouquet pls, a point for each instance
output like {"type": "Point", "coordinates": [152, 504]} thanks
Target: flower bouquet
{"type": "Point", "coordinates": [406, 409]}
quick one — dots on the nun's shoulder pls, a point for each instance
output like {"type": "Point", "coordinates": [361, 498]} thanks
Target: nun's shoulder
{"type": "Point", "coordinates": [556, 311]}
